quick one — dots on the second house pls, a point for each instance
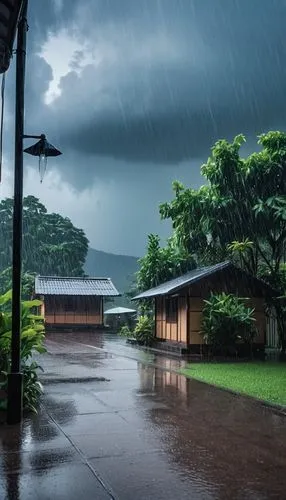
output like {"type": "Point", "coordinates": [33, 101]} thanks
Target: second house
{"type": "Point", "coordinates": [73, 302]}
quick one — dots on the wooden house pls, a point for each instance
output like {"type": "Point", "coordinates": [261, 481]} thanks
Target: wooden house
{"type": "Point", "coordinates": [179, 303]}
{"type": "Point", "coordinates": [73, 302]}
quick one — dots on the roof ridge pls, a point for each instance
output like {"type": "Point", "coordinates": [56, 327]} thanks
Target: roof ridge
{"type": "Point", "coordinates": [74, 277]}
{"type": "Point", "coordinates": [61, 285]}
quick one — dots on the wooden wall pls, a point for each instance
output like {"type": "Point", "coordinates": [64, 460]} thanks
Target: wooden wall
{"type": "Point", "coordinates": [196, 305]}
{"type": "Point", "coordinates": [187, 329]}
{"type": "Point", "coordinates": [176, 332]}
{"type": "Point", "coordinates": [86, 311]}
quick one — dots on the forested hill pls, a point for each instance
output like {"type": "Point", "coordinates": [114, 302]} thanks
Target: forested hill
{"type": "Point", "coordinates": [120, 268]}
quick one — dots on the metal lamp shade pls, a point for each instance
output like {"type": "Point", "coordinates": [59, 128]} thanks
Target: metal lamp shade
{"type": "Point", "coordinates": [10, 11]}
{"type": "Point", "coordinates": [43, 149]}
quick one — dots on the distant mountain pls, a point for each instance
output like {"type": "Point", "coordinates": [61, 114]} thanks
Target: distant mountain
{"type": "Point", "coordinates": [120, 268]}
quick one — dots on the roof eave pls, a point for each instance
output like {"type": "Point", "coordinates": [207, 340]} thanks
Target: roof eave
{"type": "Point", "coordinates": [269, 291]}
{"type": "Point", "coordinates": [143, 296]}
{"type": "Point", "coordinates": [175, 288]}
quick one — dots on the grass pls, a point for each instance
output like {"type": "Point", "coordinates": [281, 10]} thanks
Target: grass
{"type": "Point", "coordinates": [262, 380]}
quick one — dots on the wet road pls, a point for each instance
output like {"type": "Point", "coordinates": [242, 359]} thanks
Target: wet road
{"type": "Point", "coordinates": [131, 428]}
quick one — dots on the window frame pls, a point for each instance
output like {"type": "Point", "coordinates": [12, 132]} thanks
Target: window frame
{"type": "Point", "coordinates": [171, 308]}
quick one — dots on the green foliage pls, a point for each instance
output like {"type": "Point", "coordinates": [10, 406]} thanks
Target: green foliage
{"type": "Point", "coordinates": [32, 339]}
{"type": "Point", "coordinates": [226, 320]}
{"type": "Point", "coordinates": [32, 334]}
{"type": "Point", "coordinates": [28, 280]}
{"type": "Point", "coordinates": [52, 245]}
{"type": "Point", "coordinates": [125, 331]}
{"type": "Point", "coordinates": [192, 217]}
{"type": "Point", "coordinates": [144, 330]}
{"type": "Point", "coordinates": [240, 214]}
{"type": "Point", "coordinates": [162, 263]}
{"type": "Point", "coordinates": [278, 281]}
{"type": "Point", "coordinates": [32, 387]}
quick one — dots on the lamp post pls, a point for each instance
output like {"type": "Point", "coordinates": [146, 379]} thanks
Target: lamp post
{"type": "Point", "coordinates": [13, 15]}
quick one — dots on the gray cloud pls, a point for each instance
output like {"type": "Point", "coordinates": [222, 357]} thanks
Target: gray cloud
{"type": "Point", "coordinates": [153, 83]}
{"type": "Point", "coordinates": [174, 76]}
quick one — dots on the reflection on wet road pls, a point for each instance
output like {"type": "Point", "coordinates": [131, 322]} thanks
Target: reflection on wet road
{"type": "Point", "coordinates": [141, 432]}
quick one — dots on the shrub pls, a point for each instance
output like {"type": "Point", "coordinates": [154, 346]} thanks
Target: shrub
{"type": "Point", "coordinates": [125, 331]}
{"type": "Point", "coordinates": [32, 338]}
{"type": "Point", "coordinates": [144, 330]}
{"type": "Point", "coordinates": [227, 320]}
{"type": "Point", "coordinates": [32, 387]}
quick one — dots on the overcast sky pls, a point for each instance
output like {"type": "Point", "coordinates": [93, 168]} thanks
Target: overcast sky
{"type": "Point", "coordinates": [135, 93]}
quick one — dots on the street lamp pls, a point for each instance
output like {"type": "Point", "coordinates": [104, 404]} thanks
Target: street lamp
{"type": "Point", "coordinates": [13, 16]}
{"type": "Point", "coordinates": [43, 149]}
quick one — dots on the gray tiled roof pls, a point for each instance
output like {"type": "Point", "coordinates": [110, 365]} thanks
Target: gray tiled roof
{"type": "Point", "coordinates": [182, 281]}
{"type": "Point", "coordinates": [177, 284]}
{"type": "Point", "coordinates": [55, 285]}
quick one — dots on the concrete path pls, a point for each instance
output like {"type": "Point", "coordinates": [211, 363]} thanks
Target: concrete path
{"type": "Point", "coordinates": [117, 422]}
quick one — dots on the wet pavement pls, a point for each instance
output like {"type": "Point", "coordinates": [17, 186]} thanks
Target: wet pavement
{"type": "Point", "coordinates": [117, 422]}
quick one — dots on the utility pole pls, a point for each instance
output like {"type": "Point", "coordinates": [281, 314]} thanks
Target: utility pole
{"type": "Point", "coordinates": [15, 377]}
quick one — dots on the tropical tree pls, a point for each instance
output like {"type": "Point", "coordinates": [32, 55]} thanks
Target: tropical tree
{"type": "Point", "coordinates": [162, 263]}
{"type": "Point", "coordinates": [52, 245]}
{"type": "Point", "coordinates": [28, 281]}
{"type": "Point", "coordinates": [240, 213]}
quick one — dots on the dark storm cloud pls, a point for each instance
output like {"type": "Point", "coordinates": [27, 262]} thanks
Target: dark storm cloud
{"type": "Point", "coordinates": [183, 74]}
{"type": "Point", "coordinates": [150, 86]}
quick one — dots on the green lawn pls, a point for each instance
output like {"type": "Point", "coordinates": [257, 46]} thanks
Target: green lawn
{"type": "Point", "coordinates": [266, 381]}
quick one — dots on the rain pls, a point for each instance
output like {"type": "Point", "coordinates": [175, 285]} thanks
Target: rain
{"type": "Point", "coordinates": [157, 84]}
{"type": "Point", "coordinates": [138, 95]}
